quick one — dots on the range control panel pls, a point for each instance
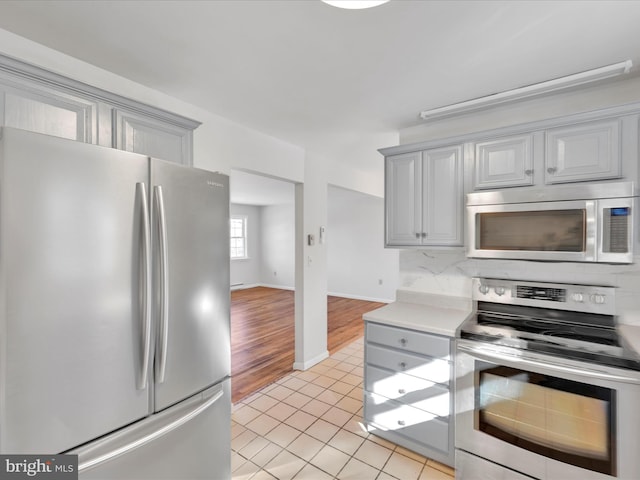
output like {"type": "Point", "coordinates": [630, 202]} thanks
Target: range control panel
{"type": "Point", "coordinates": [579, 298]}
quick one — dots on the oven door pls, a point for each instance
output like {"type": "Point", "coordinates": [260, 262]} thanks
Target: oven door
{"type": "Point", "coordinates": [544, 416]}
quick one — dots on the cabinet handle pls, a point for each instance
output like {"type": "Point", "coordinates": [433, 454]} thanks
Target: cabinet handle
{"type": "Point", "coordinates": [401, 423]}
{"type": "Point", "coordinates": [401, 391]}
{"type": "Point", "coordinates": [552, 170]}
{"type": "Point", "coordinates": [403, 342]}
{"type": "Point", "coordinates": [417, 235]}
{"type": "Point", "coordinates": [528, 172]}
{"type": "Point", "coordinates": [403, 365]}
{"type": "Point", "coordinates": [424, 235]}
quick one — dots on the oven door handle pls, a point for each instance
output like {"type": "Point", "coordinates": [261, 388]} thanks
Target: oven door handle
{"type": "Point", "coordinates": [491, 355]}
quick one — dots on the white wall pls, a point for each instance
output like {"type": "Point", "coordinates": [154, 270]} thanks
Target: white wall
{"type": "Point", "coordinates": [356, 258]}
{"type": "Point", "coordinates": [248, 271]}
{"type": "Point", "coordinates": [448, 271]}
{"type": "Point", "coordinates": [270, 242]}
{"type": "Point", "coordinates": [311, 265]}
{"type": "Point", "coordinates": [278, 246]}
{"type": "Point", "coordinates": [364, 169]}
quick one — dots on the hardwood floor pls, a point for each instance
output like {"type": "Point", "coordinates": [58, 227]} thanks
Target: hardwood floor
{"type": "Point", "coordinates": [262, 334]}
{"type": "Point", "coordinates": [344, 320]}
{"type": "Point", "coordinates": [262, 338]}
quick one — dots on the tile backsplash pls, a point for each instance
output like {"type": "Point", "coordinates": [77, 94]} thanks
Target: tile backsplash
{"type": "Point", "coordinates": [449, 272]}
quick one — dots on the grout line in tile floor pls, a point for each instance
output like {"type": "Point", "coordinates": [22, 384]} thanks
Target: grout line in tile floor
{"type": "Point", "coordinates": [308, 426]}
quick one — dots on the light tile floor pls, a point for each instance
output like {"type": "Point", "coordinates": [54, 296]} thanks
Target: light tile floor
{"type": "Point", "coordinates": [308, 426]}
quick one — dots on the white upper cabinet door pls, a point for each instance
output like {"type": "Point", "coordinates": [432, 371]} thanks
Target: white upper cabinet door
{"type": "Point", "coordinates": [442, 196]}
{"type": "Point", "coordinates": [589, 151]}
{"type": "Point", "coordinates": [504, 162]}
{"type": "Point", "coordinates": [403, 199]}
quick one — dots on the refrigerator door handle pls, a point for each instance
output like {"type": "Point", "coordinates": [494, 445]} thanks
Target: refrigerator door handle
{"type": "Point", "coordinates": [141, 192]}
{"type": "Point", "coordinates": [99, 456]}
{"type": "Point", "coordinates": [161, 361]}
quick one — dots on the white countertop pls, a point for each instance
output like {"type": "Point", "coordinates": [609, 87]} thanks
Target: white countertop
{"type": "Point", "coordinates": [437, 314]}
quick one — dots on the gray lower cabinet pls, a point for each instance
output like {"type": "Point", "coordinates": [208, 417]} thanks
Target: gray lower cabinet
{"type": "Point", "coordinates": [408, 391]}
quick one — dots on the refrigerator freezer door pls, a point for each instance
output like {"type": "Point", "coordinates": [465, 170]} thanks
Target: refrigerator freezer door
{"type": "Point", "coordinates": [191, 278]}
{"type": "Point", "coordinates": [189, 441]}
{"type": "Point", "coordinates": [70, 292]}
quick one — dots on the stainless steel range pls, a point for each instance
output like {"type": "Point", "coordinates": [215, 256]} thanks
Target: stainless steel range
{"type": "Point", "coordinates": [545, 387]}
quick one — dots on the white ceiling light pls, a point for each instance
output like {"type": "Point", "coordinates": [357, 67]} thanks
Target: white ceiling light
{"type": "Point", "coordinates": [354, 4]}
{"type": "Point", "coordinates": [529, 91]}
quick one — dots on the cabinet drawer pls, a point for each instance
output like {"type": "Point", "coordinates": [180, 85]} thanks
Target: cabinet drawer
{"type": "Point", "coordinates": [432, 369]}
{"type": "Point", "coordinates": [418, 425]}
{"type": "Point", "coordinates": [409, 340]}
{"type": "Point", "coordinates": [417, 392]}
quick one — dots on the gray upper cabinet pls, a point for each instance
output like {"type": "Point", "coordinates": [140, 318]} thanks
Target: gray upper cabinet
{"type": "Point", "coordinates": [579, 152]}
{"type": "Point", "coordinates": [40, 101]}
{"type": "Point", "coordinates": [155, 138]}
{"type": "Point", "coordinates": [423, 198]}
{"type": "Point", "coordinates": [49, 112]}
{"type": "Point", "coordinates": [504, 162]}
{"type": "Point", "coordinates": [589, 151]}
{"type": "Point", "coordinates": [403, 199]}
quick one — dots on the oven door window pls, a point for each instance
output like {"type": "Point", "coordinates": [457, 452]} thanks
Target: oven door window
{"type": "Point", "coordinates": [568, 421]}
{"type": "Point", "coordinates": [546, 230]}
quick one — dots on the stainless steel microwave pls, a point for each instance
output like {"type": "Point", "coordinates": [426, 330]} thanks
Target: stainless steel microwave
{"type": "Point", "coordinates": [575, 223]}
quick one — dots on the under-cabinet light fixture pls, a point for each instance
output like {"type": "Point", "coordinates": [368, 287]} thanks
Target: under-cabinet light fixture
{"type": "Point", "coordinates": [530, 91]}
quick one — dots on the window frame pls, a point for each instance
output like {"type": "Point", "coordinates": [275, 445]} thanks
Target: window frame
{"type": "Point", "coordinates": [243, 219]}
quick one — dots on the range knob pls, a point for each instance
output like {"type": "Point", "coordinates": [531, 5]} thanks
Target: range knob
{"type": "Point", "coordinates": [484, 289]}
{"type": "Point", "coordinates": [500, 291]}
{"type": "Point", "coordinates": [577, 297]}
{"type": "Point", "coordinates": [598, 298]}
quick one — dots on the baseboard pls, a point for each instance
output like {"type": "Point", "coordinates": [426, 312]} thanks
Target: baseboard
{"type": "Point", "coordinates": [242, 286]}
{"type": "Point", "coordinates": [360, 297]}
{"type": "Point", "coordinates": [310, 363]}
{"type": "Point", "coordinates": [281, 287]}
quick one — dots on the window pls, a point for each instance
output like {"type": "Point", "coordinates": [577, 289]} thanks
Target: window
{"type": "Point", "coordinates": [238, 237]}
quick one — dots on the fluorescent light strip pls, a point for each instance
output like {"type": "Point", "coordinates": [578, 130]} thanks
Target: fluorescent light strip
{"type": "Point", "coordinates": [530, 91]}
{"type": "Point", "coordinates": [355, 4]}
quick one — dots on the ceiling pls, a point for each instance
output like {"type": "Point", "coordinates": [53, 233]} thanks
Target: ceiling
{"type": "Point", "coordinates": [321, 77]}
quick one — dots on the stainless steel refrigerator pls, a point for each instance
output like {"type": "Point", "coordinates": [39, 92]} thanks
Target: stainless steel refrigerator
{"type": "Point", "coordinates": [114, 310]}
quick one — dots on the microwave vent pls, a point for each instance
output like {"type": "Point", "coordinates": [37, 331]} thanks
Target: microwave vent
{"type": "Point", "coordinates": [541, 293]}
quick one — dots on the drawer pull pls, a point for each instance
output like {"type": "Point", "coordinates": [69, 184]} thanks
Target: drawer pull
{"type": "Point", "coordinates": [402, 391]}
{"type": "Point", "coordinates": [403, 365]}
{"type": "Point", "coordinates": [403, 342]}
{"type": "Point", "coordinates": [401, 423]}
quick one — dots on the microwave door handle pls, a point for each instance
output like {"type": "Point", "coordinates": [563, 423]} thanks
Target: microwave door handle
{"type": "Point", "coordinates": [491, 355]}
